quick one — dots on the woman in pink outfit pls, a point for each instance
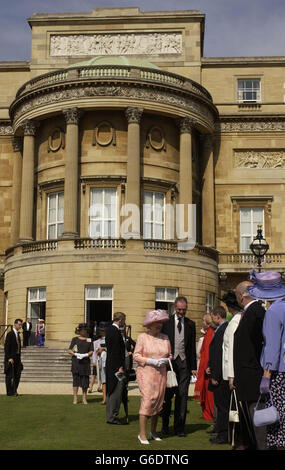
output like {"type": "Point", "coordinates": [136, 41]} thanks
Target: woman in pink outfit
{"type": "Point", "coordinates": [151, 353]}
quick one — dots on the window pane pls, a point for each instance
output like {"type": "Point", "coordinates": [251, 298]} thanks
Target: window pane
{"type": "Point", "coordinates": [59, 230]}
{"type": "Point", "coordinates": [51, 232]}
{"type": "Point", "coordinates": [92, 292]}
{"type": "Point", "coordinates": [158, 231]}
{"type": "Point", "coordinates": [171, 294]}
{"type": "Point", "coordinates": [245, 228]}
{"type": "Point", "coordinates": [258, 215]}
{"type": "Point", "coordinates": [245, 214]}
{"type": "Point", "coordinates": [106, 292]}
{"type": "Point", "coordinates": [245, 242]}
{"type": "Point", "coordinates": [147, 230]}
{"type": "Point", "coordinates": [33, 294]}
{"type": "Point", "coordinates": [42, 293]}
{"type": "Point", "coordinates": [160, 293]}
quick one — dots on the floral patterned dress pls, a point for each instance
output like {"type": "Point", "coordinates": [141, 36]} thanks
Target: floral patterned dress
{"type": "Point", "coordinates": [151, 381]}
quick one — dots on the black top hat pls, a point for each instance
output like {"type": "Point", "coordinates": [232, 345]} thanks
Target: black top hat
{"type": "Point", "coordinates": [230, 300]}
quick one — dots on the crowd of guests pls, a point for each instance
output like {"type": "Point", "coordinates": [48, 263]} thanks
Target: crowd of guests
{"type": "Point", "coordinates": [245, 355]}
{"type": "Point", "coordinates": [241, 353]}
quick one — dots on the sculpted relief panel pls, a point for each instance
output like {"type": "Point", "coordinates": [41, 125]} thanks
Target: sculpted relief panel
{"type": "Point", "coordinates": [115, 44]}
{"type": "Point", "coordinates": [259, 159]}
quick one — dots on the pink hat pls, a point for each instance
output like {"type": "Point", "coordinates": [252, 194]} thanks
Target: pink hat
{"type": "Point", "coordinates": [154, 316]}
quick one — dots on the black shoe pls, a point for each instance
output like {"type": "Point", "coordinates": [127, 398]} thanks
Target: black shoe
{"type": "Point", "coordinates": [218, 440]}
{"type": "Point", "coordinates": [180, 433]}
{"type": "Point", "coordinates": [165, 431]}
{"type": "Point", "coordinates": [117, 421]}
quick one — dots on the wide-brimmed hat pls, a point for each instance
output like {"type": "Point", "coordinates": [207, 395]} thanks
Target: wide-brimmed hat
{"type": "Point", "coordinates": [266, 286]}
{"type": "Point", "coordinates": [154, 316]}
{"type": "Point", "coordinates": [230, 300]}
{"type": "Point", "coordinates": [103, 325]}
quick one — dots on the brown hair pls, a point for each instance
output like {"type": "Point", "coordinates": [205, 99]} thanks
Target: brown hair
{"type": "Point", "coordinates": [181, 298]}
{"type": "Point", "coordinates": [119, 316]}
{"type": "Point", "coordinates": [221, 311]}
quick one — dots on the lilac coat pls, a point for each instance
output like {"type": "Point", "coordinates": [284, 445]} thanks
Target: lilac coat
{"type": "Point", "coordinates": [273, 352]}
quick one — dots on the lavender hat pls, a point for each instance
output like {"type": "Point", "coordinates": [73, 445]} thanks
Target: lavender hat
{"type": "Point", "coordinates": [266, 286]}
{"type": "Point", "coordinates": [155, 316]}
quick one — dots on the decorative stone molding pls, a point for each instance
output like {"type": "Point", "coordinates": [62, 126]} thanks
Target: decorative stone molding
{"type": "Point", "coordinates": [155, 139]}
{"type": "Point", "coordinates": [61, 144]}
{"type": "Point", "coordinates": [72, 115]}
{"type": "Point", "coordinates": [29, 127]}
{"type": "Point", "coordinates": [17, 143]}
{"type": "Point", "coordinates": [70, 45]}
{"type": "Point", "coordinates": [265, 159]}
{"type": "Point", "coordinates": [96, 134]}
{"type": "Point", "coordinates": [251, 125]}
{"type": "Point", "coordinates": [5, 129]}
{"type": "Point", "coordinates": [186, 125]}
{"type": "Point", "coordinates": [133, 115]}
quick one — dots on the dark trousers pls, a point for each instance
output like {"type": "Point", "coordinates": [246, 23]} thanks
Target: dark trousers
{"type": "Point", "coordinates": [26, 337]}
{"type": "Point", "coordinates": [181, 396]}
{"type": "Point", "coordinates": [114, 402]}
{"type": "Point", "coordinates": [13, 375]}
{"type": "Point", "coordinates": [222, 397]}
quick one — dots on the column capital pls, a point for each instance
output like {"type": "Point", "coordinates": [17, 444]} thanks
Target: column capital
{"type": "Point", "coordinates": [29, 127]}
{"type": "Point", "coordinates": [72, 115]}
{"type": "Point", "coordinates": [133, 114]}
{"type": "Point", "coordinates": [186, 125]}
{"type": "Point", "coordinates": [17, 143]}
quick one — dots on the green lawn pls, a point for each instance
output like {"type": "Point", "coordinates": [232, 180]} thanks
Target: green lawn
{"type": "Point", "coordinates": [52, 422]}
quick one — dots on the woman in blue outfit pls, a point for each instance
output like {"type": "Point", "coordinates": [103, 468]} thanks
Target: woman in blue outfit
{"type": "Point", "coordinates": [268, 286]}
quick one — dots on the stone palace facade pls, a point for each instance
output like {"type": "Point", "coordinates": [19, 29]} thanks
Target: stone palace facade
{"type": "Point", "coordinates": [119, 109]}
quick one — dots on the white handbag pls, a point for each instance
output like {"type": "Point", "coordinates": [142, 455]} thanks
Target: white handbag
{"type": "Point", "coordinates": [233, 414]}
{"type": "Point", "coordinates": [171, 377]}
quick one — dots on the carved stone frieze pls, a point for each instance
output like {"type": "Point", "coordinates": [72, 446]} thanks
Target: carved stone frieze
{"type": "Point", "coordinates": [257, 125]}
{"type": "Point", "coordinates": [5, 129]}
{"type": "Point", "coordinates": [259, 159]}
{"type": "Point", "coordinates": [62, 45]}
{"type": "Point", "coordinates": [126, 92]}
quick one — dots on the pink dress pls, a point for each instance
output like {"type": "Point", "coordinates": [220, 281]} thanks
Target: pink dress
{"type": "Point", "coordinates": [151, 381]}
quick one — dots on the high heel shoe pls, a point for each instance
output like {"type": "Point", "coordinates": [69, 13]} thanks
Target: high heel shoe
{"type": "Point", "coordinates": [142, 441]}
{"type": "Point", "coordinates": [155, 438]}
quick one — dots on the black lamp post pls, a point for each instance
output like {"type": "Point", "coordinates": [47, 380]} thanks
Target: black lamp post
{"type": "Point", "coordinates": [259, 247]}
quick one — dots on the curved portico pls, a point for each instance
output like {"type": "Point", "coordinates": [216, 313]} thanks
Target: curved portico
{"type": "Point", "coordinates": [119, 130]}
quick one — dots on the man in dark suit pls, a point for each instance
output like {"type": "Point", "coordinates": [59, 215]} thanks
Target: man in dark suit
{"type": "Point", "coordinates": [27, 328]}
{"type": "Point", "coordinates": [181, 332]}
{"type": "Point", "coordinates": [248, 341]}
{"type": "Point", "coordinates": [217, 385]}
{"type": "Point", "coordinates": [115, 368]}
{"type": "Point", "coordinates": [12, 359]}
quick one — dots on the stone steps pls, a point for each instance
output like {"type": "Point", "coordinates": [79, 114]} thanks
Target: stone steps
{"type": "Point", "coordinates": [42, 365]}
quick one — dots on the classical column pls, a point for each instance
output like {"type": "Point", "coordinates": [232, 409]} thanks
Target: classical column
{"type": "Point", "coordinates": [186, 126]}
{"type": "Point", "coordinates": [133, 190]}
{"type": "Point", "coordinates": [72, 116]}
{"type": "Point", "coordinates": [208, 192]}
{"type": "Point", "coordinates": [27, 190]}
{"type": "Point", "coordinates": [16, 189]}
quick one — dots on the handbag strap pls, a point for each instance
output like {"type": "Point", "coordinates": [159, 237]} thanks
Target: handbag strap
{"type": "Point", "coordinates": [233, 395]}
{"type": "Point", "coordinates": [170, 364]}
{"type": "Point", "coordinates": [260, 398]}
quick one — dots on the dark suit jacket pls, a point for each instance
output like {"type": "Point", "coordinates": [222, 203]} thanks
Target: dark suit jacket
{"type": "Point", "coordinates": [24, 326]}
{"type": "Point", "coordinates": [115, 356]}
{"type": "Point", "coordinates": [216, 355]}
{"type": "Point", "coordinates": [189, 337]}
{"type": "Point", "coordinates": [248, 341]}
{"type": "Point", "coordinates": [11, 349]}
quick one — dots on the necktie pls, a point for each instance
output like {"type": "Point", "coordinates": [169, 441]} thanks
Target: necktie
{"type": "Point", "coordinates": [179, 326]}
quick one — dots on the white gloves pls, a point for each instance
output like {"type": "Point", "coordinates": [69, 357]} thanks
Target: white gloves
{"type": "Point", "coordinates": [157, 362]}
{"type": "Point", "coordinates": [80, 356]}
